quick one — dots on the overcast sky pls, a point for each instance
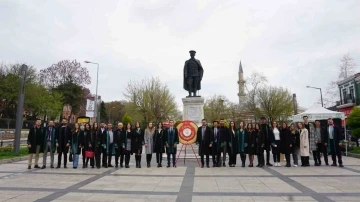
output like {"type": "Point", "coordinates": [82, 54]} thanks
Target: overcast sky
{"type": "Point", "coordinates": [294, 43]}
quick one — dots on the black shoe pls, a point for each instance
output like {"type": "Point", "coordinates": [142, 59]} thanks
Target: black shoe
{"type": "Point", "coordinates": [334, 165]}
{"type": "Point", "coordinates": [214, 165]}
{"type": "Point", "coordinates": [92, 166]}
{"type": "Point", "coordinates": [174, 166]}
{"type": "Point", "coordinates": [202, 166]}
{"type": "Point", "coordinates": [168, 166]}
{"type": "Point", "coordinates": [110, 166]}
{"type": "Point", "coordinates": [288, 165]}
{"type": "Point", "coordinates": [51, 166]}
{"type": "Point", "coordinates": [36, 166]}
{"type": "Point", "coordinates": [316, 164]}
{"type": "Point", "coordinates": [341, 165]}
{"type": "Point", "coordinates": [121, 165]}
{"type": "Point", "coordinates": [224, 165]}
{"type": "Point", "coordinates": [327, 164]}
{"type": "Point", "coordinates": [269, 164]}
{"type": "Point", "coordinates": [83, 166]}
{"type": "Point", "coordinates": [116, 165]}
{"type": "Point", "coordinates": [43, 167]}
{"type": "Point", "coordinates": [258, 165]}
{"type": "Point", "coordinates": [243, 165]}
{"type": "Point", "coordinates": [57, 167]}
{"type": "Point", "coordinates": [65, 166]}
{"type": "Point", "coordinates": [74, 167]}
{"type": "Point", "coordinates": [160, 165]}
{"type": "Point", "coordinates": [208, 166]}
{"type": "Point", "coordinates": [98, 167]}
{"type": "Point", "coordinates": [29, 167]}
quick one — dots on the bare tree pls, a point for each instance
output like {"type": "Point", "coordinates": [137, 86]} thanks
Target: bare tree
{"type": "Point", "coordinates": [347, 67]}
{"type": "Point", "coordinates": [152, 99]}
{"type": "Point", "coordinates": [252, 85]}
{"type": "Point", "coordinates": [65, 71]}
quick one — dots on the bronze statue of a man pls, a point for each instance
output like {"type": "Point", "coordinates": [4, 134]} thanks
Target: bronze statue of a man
{"type": "Point", "coordinates": [193, 73]}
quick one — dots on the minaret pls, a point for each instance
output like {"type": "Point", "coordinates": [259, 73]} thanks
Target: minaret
{"type": "Point", "coordinates": [241, 84]}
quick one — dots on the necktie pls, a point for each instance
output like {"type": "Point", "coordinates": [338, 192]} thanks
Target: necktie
{"type": "Point", "coordinates": [49, 134]}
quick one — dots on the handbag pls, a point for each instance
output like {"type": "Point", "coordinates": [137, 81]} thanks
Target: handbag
{"type": "Point", "coordinates": [70, 156]}
{"type": "Point", "coordinates": [89, 154]}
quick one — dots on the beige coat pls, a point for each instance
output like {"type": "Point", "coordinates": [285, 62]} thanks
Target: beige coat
{"type": "Point", "coordinates": [304, 142]}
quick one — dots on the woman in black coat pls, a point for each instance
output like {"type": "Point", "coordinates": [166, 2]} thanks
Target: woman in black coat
{"type": "Point", "coordinates": [159, 144]}
{"type": "Point", "coordinates": [137, 143]}
{"type": "Point", "coordinates": [127, 143]}
{"type": "Point", "coordinates": [89, 143]}
{"type": "Point", "coordinates": [251, 143]}
{"type": "Point", "coordinates": [97, 148]}
{"type": "Point", "coordinates": [260, 145]}
{"type": "Point", "coordinates": [295, 143]}
{"type": "Point", "coordinates": [285, 142]}
{"type": "Point", "coordinates": [233, 144]}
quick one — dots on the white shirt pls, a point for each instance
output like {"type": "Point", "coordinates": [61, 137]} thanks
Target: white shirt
{"type": "Point", "coordinates": [111, 136]}
{"type": "Point", "coordinates": [276, 134]}
{"type": "Point", "coordinates": [331, 135]}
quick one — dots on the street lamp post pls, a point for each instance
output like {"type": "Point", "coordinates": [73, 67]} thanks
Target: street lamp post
{"type": "Point", "coordinates": [20, 106]}
{"type": "Point", "coordinates": [322, 103]}
{"type": "Point", "coordinates": [96, 94]}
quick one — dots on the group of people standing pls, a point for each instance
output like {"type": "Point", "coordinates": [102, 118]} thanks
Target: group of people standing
{"type": "Point", "coordinates": [252, 139]}
{"type": "Point", "coordinates": [99, 144]}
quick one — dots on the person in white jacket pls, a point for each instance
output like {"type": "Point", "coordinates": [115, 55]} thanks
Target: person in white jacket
{"type": "Point", "coordinates": [304, 145]}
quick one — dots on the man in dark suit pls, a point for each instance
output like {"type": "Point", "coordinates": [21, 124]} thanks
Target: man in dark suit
{"type": "Point", "coordinates": [320, 133]}
{"type": "Point", "coordinates": [204, 140]}
{"type": "Point", "coordinates": [34, 141]}
{"type": "Point", "coordinates": [216, 138]}
{"type": "Point", "coordinates": [223, 142]}
{"type": "Point", "coordinates": [334, 142]}
{"type": "Point", "coordinates": [62, 142]}
{"type": "Point", "coordinates": [267, 131]}
{"type": "Point", "coordinates": [171, 142]}
{"type": "Point", "coordinates": [49, 143]}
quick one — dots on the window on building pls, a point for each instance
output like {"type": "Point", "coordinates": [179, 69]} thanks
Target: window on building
{"type": "Point", "coordinates": [344, 96]}
{"type": "Point", "coordinates": [352, 95]}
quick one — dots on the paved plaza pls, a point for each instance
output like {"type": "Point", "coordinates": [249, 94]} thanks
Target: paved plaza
{"type": "Point", "coordinates": [184, 183]}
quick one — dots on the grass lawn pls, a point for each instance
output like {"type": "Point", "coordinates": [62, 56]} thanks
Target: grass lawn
{"type": "Point", "coordinates": [8, 152]}
{"type": "Point", "coordinates": [355, 150]}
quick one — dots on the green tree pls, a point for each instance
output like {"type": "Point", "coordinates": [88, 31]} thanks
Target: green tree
{"type": "Point", "coordinates": [126, 119]}
{"type": "Point", "coordinates": [72, 95]}
{"type": "Point", "coordinates": [44, 102]}
{"type": "Point", "coordinates": [275, 102]}
{"type": "Point", "coordinates": [353, 121]}
{"type": "Point", "coordinates": [151, 99]}
{"type": "Point", "coordinates": [117, 110]}
{"type": "Point", "coordinates": [103, 113]}
{"type": "Point", "coordinates": [68, 78]}
{"type": "Point", "coordinates": [9, 87]}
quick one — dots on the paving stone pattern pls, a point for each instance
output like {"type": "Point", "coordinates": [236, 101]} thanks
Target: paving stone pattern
{"type": "Point", "coordinates": [185, 183]}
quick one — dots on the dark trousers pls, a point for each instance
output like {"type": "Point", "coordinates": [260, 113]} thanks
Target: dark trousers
{"type": "Point", "coordinates": [268, 149]}
{"type": "Point", "coordinates": [261, 160]}
{"type": "Point", "coordinates": [243, 158]}
{"type": "Point", "coordinates": [107, 156]}
{"type": "Point", "coordinates": [59, 158]}
{"type": "Point", "coordinates": [127, 157]}
{"type": "Point", "coordinates": [232, 158]}
{"type": "Point", "coordinates": [288, 160]}
{"type": "Point", "coordinates": [207, 159]}
{"type": "Point", "coordinates": [159, 157]}
{"type": "Point", "coordinates": [173, 158]}
{"type": "Point", "coordinates": [148, 158]}
{"type": "Point", "coordinates": [276, 157]}
{"type": "Point", "coordinates": [97, 157]}
{"type": "Point", "coordinates": [316, 156]}
{"type": "Point", "coordinates": [119, 154]}
{"type": "Point", "coordinates": [305, 161]}
{"type": "Point", "coordinates": [335, 153]}
{"type": "Point", "coordinates": [214, 154]}
{"type": "Point", "coordinates": [223, 151]}
{"type": "Point", "coordinates": [321, 148]}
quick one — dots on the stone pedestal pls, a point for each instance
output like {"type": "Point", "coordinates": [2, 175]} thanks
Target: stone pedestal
{"type": "Point", "coordinates": [193, 109]}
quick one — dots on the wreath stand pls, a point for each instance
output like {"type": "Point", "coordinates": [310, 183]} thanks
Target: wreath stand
{"type": "Point", "coordinates": [185, 154]}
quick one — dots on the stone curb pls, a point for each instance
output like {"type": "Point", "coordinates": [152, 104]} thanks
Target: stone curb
{"type": "Point", "coordinates": [353, 155]}
{"type": "Point", "coordinates": [12, 160]}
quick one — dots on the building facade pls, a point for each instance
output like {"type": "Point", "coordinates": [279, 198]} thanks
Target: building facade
{"type": "Point", "coordinates": [349, 90]}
